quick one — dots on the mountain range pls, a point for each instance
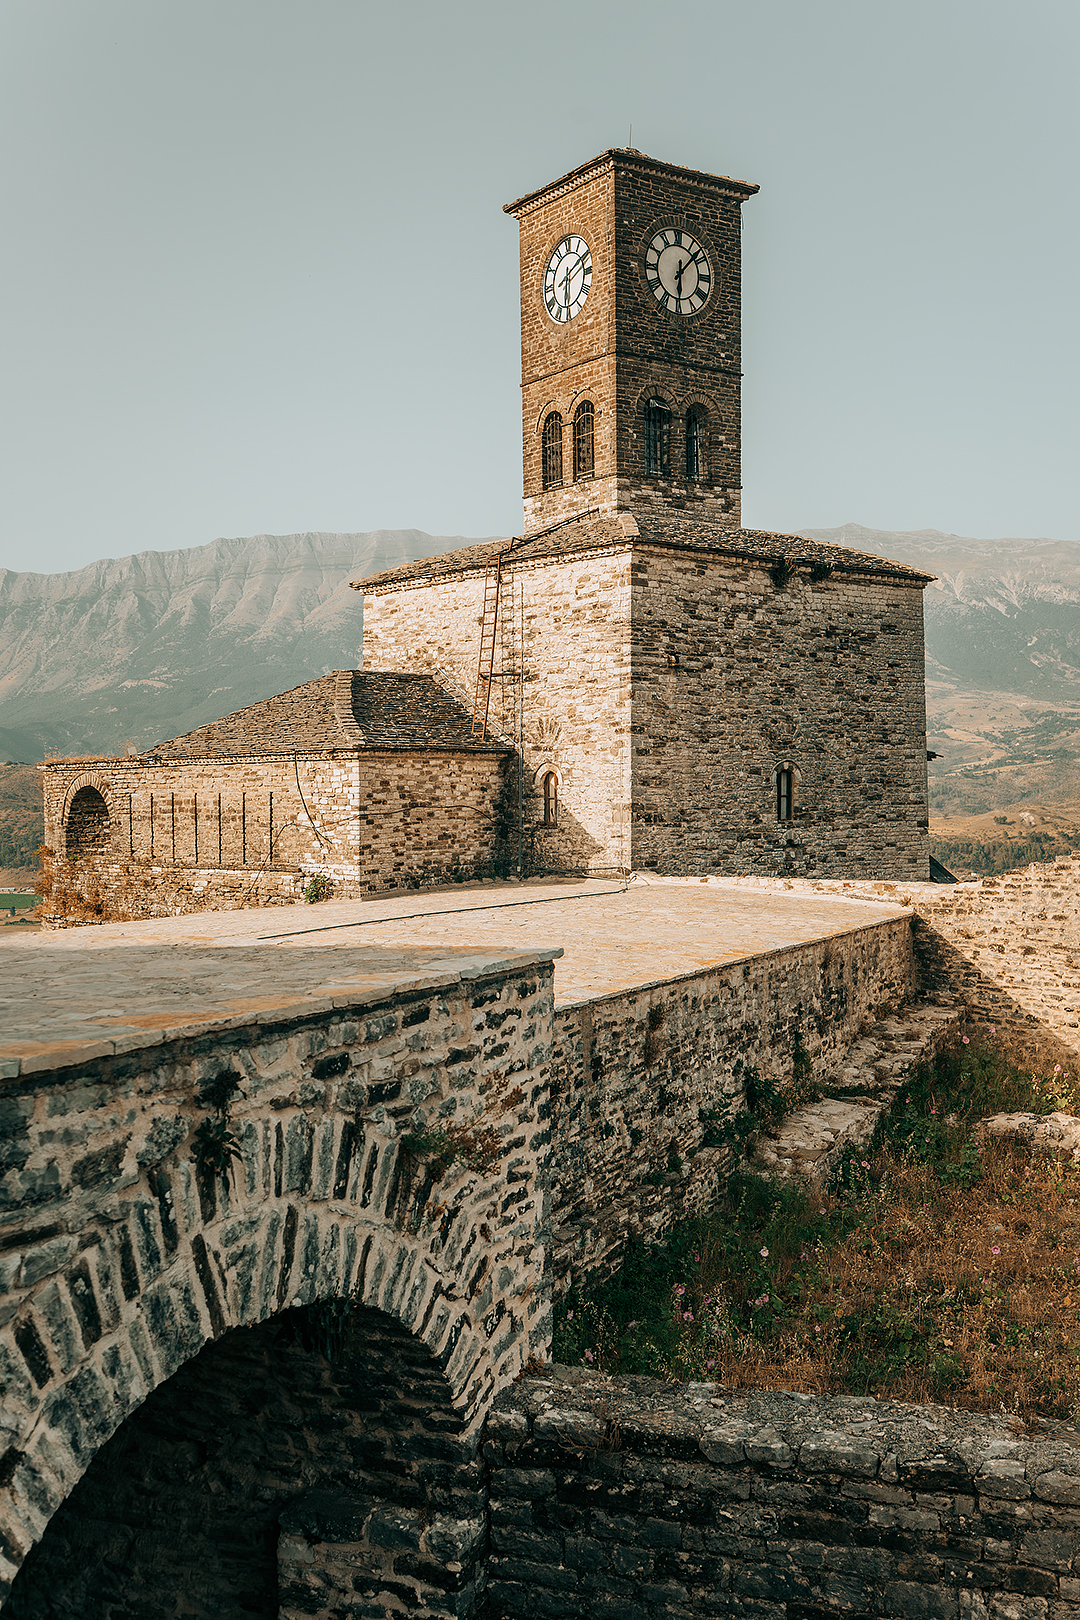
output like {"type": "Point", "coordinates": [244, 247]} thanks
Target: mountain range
{"type": "Point", "coordinates": [131, 650]}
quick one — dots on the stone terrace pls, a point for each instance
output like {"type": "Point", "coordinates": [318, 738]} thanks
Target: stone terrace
{"type": "Point", "coordinates": [111, 987]}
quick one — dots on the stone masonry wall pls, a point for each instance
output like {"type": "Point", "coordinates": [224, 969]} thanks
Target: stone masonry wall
{"type": "Point", "coordinates": [1011, 946]}
{"type": "Point", "coordinates": [735, 677]}
{"type": "Point", "coordinates": [571, 618]}
{"type": "Point", "coordinates": [643, 1082]}
{"type": "Point", "coordinates": [234, 832]}
{"type": "Point", "coordinates": [122, 1253]}
{"type": "Point", "coordinates": [630, 1498]}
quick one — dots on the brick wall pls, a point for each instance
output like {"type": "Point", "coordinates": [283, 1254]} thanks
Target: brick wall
{"type": "Point", "coordinates": [642, 1081]}
{"type": "Point", "coordinates": [625, 1497]}
{"type": "Point", "coordinates": [624, 347]}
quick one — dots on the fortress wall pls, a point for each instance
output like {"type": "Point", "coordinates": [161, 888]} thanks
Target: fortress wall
{"type": "Point", "coordinates": [736, 676]}
{"type": "Point", "coordinates": [572, 618]}
{"type": "Point", "coordinates": [210, 833]}
{"type": "Point", "coordinates": [636, 1498]}
{"type": "Point", "coordinates": [644, 1082]}
{"type": "Point", "coordinates": [1010, 945]}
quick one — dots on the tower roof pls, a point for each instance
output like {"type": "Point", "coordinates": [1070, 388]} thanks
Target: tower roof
{"type": "Point", "coordinates": [600, 533]}
{"type": "Point", "coordinates": [628, 157]}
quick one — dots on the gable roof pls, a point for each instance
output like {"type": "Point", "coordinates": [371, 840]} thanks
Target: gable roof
{"type": "Point", "coordinates": [345, 711]}
{"type": "Point", "coordinates": [668, 529]}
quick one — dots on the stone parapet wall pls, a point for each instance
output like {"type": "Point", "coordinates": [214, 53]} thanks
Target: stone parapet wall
{"type": "Point", "coordinates": [1010, 945]}
{"type": "Point", "coordinates": [644, 1082]}
{"type": "Point", "coordinates": [123, 1250]}
{"type": "Point", "coordinates": [630, 1498]}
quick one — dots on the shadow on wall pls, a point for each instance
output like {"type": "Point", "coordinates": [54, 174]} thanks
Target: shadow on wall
{"type": "Point", "coordinates": [228, 1482]}
{"type": "Point", "coordinates": [942, 966]}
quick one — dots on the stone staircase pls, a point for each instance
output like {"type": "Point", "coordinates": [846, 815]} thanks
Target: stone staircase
{"type": "Point", "coordinates": [859, 1090]}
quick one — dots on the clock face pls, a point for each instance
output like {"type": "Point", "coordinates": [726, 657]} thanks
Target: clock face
{"type": "Point", "coordinates": [567, 279]}
{"type": "Point", "coordinates": [678, 271]}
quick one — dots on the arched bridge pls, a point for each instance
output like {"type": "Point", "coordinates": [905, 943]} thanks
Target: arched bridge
{"type": "Point", "coordinates": [335, 1149]}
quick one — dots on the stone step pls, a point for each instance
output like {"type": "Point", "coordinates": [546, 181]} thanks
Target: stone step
{"type": "Point", "coordinates": [860, 1088]}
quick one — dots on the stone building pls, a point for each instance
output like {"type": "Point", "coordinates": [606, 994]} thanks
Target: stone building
{"type": "Point", "coordinates": [685, 695]}
{"type": "Point", "coordinates": [371, 781]}
{"type": "Point", "coordinates": [635, 682]}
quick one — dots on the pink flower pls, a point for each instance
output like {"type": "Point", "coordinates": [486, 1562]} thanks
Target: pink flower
{"type": "Point", "coordinates": [965, 1040]}
{"type": "Point", "coordinates": [680, 1290]}
{"type": "Point", "coordinates": [996, 1249]}
{"type": "Point", "coordinates": [588, 1355]}
{"type": "Point", "coordinates": [1057, 1068]}
{"type": "Point", "coordinates": [993, 1029]}
{"type": "Point", "coordinates": [688, 1316]}
{"type": "Point", "coordinates": [764, 1253]}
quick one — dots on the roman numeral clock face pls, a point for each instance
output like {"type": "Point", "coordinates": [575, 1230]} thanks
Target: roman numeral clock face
{"type": "Point", "coordinates": [567, 279]}
{"type": "Point", "coordinates": [678, 271]}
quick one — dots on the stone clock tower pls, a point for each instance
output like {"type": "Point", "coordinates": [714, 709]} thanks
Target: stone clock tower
{"type": "Point", "coordinates": [630, 342]}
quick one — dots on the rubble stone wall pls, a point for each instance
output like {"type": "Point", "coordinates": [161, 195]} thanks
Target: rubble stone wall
{"type": "Point", "coordinates": [1010, 945]}
{"type": "Point", "coordinates": [567, 621]}
{"type": "Point", "coordinates": [214, 833]}
{"type": "Point", "coordinates": [123, 1250]}
{"type": "Point", "coordinates": [623, 1496]}
{"type": "Point", "coordinates": [644, 1082]}
{"type": "Point", "coordinates": [736, 677]}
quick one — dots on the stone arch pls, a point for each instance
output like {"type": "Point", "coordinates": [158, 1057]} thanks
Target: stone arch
{"type": "Point", "coordinates": [136, 1252]}
{"type": "Point", "coordinates": [227, 1482]}
{"type": "Point", "coordinates": [87, 819]}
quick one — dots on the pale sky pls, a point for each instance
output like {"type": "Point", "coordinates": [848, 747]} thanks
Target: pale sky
{"type": "Point", "coordinates": [256, 276]}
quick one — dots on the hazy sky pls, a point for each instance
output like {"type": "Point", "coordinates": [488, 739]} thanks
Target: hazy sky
{"type": "Point", "coordinates": [256, 276]}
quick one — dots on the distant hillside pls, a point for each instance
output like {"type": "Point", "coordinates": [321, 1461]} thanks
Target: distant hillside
{"type": "Point", "coordinates": [1002, 615]}
{"type": "Point", "coordinates": [132, 650]}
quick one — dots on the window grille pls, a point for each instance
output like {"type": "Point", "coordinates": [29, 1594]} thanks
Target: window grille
{"type": "Point", "coordinates": [785, 795]}
{"type": "Point", "coordinates": [551, 799]}
{"type": "Point", "coordinates": [657, 440]}
{"type": "Point", "coordinates": [583, 439]}
{"type": "Point", "coordinates": [552, 451]}
{"type": "Point", "coordinates": [697, 445]}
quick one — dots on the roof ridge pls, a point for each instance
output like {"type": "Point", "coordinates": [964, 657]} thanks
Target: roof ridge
{"type": "Point", "coordinates": [345, 707]}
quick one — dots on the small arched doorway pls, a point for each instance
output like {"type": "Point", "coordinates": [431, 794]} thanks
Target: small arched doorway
{"type": "Point", "coordinates": [87, 829]}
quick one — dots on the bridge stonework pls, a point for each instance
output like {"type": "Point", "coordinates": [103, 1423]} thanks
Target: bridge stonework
{"type": "Point", "coordinates": [124, 1253]}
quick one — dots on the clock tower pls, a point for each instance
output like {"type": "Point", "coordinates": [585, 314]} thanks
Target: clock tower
{"type": "Point", "coordinates": [630, 342]}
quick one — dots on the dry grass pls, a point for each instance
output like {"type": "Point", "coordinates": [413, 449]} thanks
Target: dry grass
{"type": "Point", "coordinates": [940, 1267]}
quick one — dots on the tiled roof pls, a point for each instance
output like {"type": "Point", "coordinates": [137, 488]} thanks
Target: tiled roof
{"type": "Point", "coordinates": [652, 529]}
{"type": "Point", "coordinates": [348, 709]}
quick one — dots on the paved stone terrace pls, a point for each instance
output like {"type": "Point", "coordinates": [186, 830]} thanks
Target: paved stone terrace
{"type": "Point", "coordinates": [76, 993]}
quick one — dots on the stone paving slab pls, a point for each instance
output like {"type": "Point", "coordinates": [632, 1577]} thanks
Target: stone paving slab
{"type": "Point", "coordinates": [118, 985]}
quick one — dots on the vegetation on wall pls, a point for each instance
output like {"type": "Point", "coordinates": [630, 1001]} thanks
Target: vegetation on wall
{"type": "Point", "coordinates": [942, 1265]}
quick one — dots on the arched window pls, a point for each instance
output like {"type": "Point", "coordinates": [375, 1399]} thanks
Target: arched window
{"type": "Point", "coordinates": [697, 444]}
{"type": "Point", "coordinates": [657, 439]}
{"type": "Point", "coordinates": [88, 829]}
{"type": "Point", "coordinates": [785, 794]}
{"type": "Point", "coordinates": [551, 799]}
{"type": "Point", "coordinates": [583, 439]}
{"type": "Point", "coordinates": [552, 443]}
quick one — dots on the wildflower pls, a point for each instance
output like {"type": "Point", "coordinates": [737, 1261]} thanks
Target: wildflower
{"type": "Point", "coordinates": [588, 1355]}
{"type": "Point", "coordinates": [697, 1259]}
{"type": "Point", "coordinates": [764, 1253]}
{"type": "Point", "coordinates": [569, 1316]}
{"type": "Point", "coordinates": [1057, 1068]}
{"type": "Point", "coordinates": [680, 1290]}
{"type": "Point", "coordinates": [818, 1328]}
{"type": "Point", "coordinates": [996, 1249]}
{"type": "Point", "coordinates": [710, 1365]}
{"type": "Point", "coordinates": [688, 1316]}
{"type": "Point", "coordinates": [993, 1029]}
{"type": "Point", "coordinates": [965, 1040]}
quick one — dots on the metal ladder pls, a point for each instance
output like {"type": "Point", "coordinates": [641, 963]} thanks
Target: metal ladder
{"type": "Point", "coordinates": [488, 634]}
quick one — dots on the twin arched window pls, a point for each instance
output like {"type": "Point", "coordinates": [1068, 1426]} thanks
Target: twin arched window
{"type": "Point", "coordinates": [552, 445]}
{"type": "Point", "coordinates": [658, 441]}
